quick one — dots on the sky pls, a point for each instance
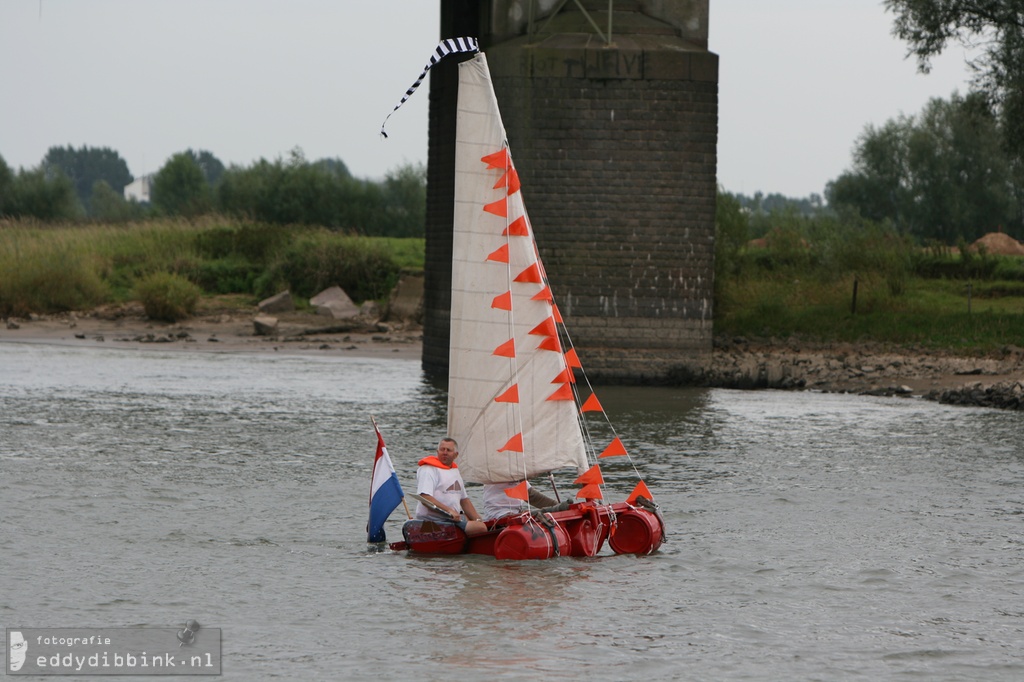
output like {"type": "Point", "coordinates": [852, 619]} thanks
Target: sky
{"type": "Point", "coordinates": [799, 80]}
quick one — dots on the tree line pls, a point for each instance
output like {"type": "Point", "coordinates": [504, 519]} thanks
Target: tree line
{"type": "Point", "coordinates": [87, 184]}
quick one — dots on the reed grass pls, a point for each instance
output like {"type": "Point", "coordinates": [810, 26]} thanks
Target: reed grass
{"type": "Point", "coordinates": [47, 268]}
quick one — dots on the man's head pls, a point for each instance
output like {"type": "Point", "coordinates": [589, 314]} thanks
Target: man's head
{"type": "Point", "coordinates": [447, 451]}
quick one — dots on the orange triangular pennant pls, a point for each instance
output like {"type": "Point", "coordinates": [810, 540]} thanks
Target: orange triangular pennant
{"type": "Point", "coordinates": [517, 228]}
{"type": "Point", "coordinates": [498, 159]}
{"type": "Point", "coordinates": [499, 255]}
{"type": "Point", "coordinates": [498, 208]}
{"type": "Point", "coordinates": [513, 181]}
{"type": "Point", "coordinates": [555, 314]}
{"type": "Point", "coordinates": [545, 328]}
{"type": "Point", "coordinates": [573, 360]}
{"type": "Point", "coordinates": [640, 489]}
{"type": "Point", "coordinates": [614, 449]}
{"type": "Point", "coordinates": [564, 392]}
{"type": "Point", "coordinates": [507, 349]}
{"type": "Point", "coordinates": [590, 492]}
{"type": "Point", "coordinates": [543, 295]}
{"type": "Point", "coordinates": [565, 377]}
{"type": "Point", "coordinates": [502, 301]}
{"type": "Point", "coordinates": [510, 179]}
{"type": "Point", "coordinates": [519, 492]}
{"type": "Point", "coordinates": [509, 396]}
{"type": "Point", "coordinates": [515, 444]}
{"type": "Point", "coordinates": [590, 476]}
{"type": "Point", "coordinates": [550, 343]}
{"type": "Point", "coordinates": [530, 274]}
{"type": "Point", "coordinates": [592, 404]}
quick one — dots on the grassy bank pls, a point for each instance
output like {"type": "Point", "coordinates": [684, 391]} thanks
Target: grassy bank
{"type": "Point", "coordinates": [51, 268]}
{"type": "Point", "coordinates": [935, 314]}
{"type": "Point", "coordinates": [936, 299]}
{"type": "Point", "coordinates": [894, 294]}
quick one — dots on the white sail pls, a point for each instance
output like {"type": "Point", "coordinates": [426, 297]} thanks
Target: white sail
{"type": "Point", "coordinates": [550, 429]}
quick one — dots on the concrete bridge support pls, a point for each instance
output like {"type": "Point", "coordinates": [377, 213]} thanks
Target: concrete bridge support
{"type": "Point", "coordinates": [613, 127]}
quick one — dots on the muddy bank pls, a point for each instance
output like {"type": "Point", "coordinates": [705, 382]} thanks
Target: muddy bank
{"type": "Point", "coordinates": [994, 380]}
{"type": "Point", "coordinates": [220, 331]}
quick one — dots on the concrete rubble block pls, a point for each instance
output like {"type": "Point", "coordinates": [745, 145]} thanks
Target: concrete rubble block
{"type": "Point", "coordinates": [278, 303]}
{"type": "Point", "coordinates": [264, 325]}
{"type": "Point", "coordinates": [335, 303]}
{"type": "Point", "coordinates": [370, 309]}
{"type": "Point", "coordinates": [406, 301]}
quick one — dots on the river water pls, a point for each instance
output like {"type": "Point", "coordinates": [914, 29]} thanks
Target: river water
{"type": "Point", "coordinates": [811, 536]}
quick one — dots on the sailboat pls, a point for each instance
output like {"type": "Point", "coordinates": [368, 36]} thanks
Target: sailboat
{"type": "Point", "coordinates": [515, 381]}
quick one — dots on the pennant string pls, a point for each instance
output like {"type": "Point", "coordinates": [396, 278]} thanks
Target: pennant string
{"type": "Point", "coordinates": [444, 48]}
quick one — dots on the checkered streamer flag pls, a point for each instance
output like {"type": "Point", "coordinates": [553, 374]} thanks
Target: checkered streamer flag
{"type": "Point", "coordinates": [444, 48]}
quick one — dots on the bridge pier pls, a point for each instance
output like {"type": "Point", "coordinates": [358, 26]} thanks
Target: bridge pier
{"type": "Point", "coordinates": [615, 144]}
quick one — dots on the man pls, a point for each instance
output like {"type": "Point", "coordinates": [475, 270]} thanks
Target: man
{"type": "Point", "coordinates": [439, 482]}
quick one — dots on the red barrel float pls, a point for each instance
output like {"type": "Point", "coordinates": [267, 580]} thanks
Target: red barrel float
{"type": "Point", "coordinates": [431, 537]}
{"type": "Point", "coordinates": [585, 533]}
{"type": "Point", "coordinates": [531, 541]}
{"type": "Point", "coordinates": [638, 531]}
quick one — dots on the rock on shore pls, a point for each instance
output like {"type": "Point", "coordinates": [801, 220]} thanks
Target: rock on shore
{"type": "Point", "coordinates": [871, 369]}
{"type": "Point", "coordinates": [1005, 395]}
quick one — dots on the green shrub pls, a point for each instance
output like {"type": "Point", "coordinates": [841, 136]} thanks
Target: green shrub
{"type": "Point", "coordinates": [363, 267]}
{"type": "Point", "coordinates": [232, 275]}
{"type": "Point", "coordinates": [730, 238]}
{"type": "Point", "coordinates": [48, 283]}
{"type": "Point", "coordinates": [1009, 268]}
{"type": "Point", "coordinates": [216, 242]}
{"type": "Point", "coordinates": [256, 242]}
{"type": "Point", "coordinates": [167, 297]}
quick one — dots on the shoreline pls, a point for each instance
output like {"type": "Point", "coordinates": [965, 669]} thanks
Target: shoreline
{"type": "Point", "coordinates": [995, 380]}
{"type": "Point", "coordinates": [300, 333]}
{"type": "Point", "coordinates": [992, 380]}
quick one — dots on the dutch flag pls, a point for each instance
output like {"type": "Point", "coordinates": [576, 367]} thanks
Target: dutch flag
{"type": "Point", "coordinates": [385, 491]}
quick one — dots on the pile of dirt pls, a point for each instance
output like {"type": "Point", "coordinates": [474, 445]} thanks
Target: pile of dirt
{"type": "Point", "coordinates": [1000, 244]}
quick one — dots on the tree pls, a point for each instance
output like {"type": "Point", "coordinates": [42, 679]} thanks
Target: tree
{"type": "Point", "coordinates": [994, 26]}
{"type": "Point", "coordinates": [87, 166]}
{"type": "Point", "coordinates": [42, 195]}
{"type": "Point", "coordinates": [211, 166]}
{"type": "Point", "coordinates": [110, 206]}
{"type": "Point", "coordinates": [877, 186]}
{"type": "Point", "coordinates": [180, 188]}
{"type": "Point", "coordinates": [941, 175]}
{"type": "Point", "coordinates": [335, 166]}
{"type": "Point", "coordinates": [960, 175]}
{"type": "Point", "coordinates": [405, 202]}
{"type": "Point", "coordinates": [730, 237]}
{"type": "Point", "coordinates": [6, 185]}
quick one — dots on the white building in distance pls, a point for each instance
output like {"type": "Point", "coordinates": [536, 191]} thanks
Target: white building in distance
{"type": "Point", "coordinates": [139, 189]}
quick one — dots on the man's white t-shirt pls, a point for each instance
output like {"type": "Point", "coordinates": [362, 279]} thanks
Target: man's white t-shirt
{"type": "Point", "coordinates": [444, 485]}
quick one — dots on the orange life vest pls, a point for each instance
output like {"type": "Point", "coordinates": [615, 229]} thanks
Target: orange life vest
{"type": "Point", "coordinates": [435, 462]}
